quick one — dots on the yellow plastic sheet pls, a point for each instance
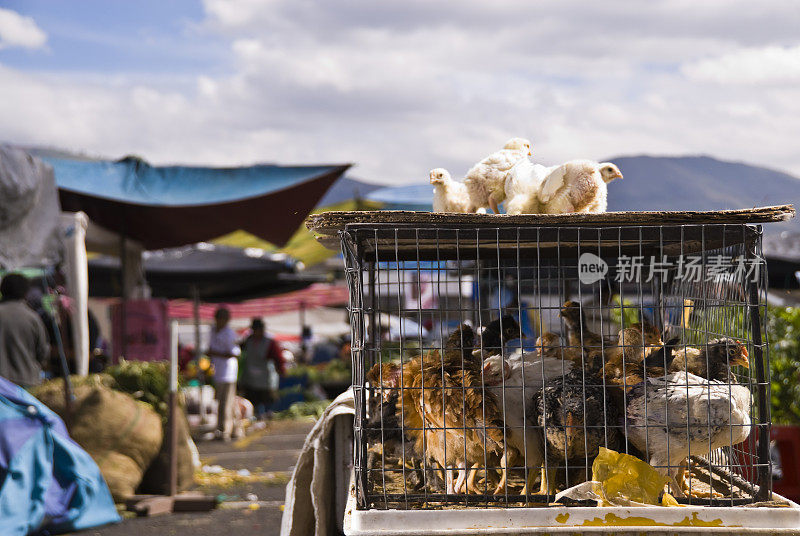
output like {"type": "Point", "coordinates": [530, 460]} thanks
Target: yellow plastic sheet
{"type": "Point", "coordinates": [621, 479]}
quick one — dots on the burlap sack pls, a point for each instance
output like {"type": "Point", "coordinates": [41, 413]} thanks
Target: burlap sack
{"type": "Point", "coordinates": [122, 435]}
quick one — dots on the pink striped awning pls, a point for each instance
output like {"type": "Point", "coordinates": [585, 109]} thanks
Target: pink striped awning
{"type": "Point", "coordinates": [317, 295]}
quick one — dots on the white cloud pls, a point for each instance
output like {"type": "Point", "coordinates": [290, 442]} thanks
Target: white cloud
{"type": "Point", "coordinates": [403, 87]}
{"type": "Point", "coordinates": [20, 31]}
{"type": "Point", "coordinates": [763, 65]}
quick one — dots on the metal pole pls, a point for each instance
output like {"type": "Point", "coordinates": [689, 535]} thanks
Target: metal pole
{"type": "Point", "coordinates": [762, 395]}
{"type": "Point", "coordinates": [196, 312]}
{"type": "Point", "coordinates": [62, 359]}
{"type": "Point", "coordinates": [123, 311]}
{"type": "Point", "coordinates": [303, 332]}
{"type": "Point", "coordinates": [172, 424]}
{"type": "Point", "coordinates": [201, 376]}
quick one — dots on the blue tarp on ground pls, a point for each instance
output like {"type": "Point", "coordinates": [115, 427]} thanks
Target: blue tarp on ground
{"type": "Point", "coordinates": [48, 484]}
{"type": "Point", "coordinates": [170, 206]}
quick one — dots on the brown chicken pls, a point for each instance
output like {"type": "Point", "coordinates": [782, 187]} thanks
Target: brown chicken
{"type": "Point", "coordinates": [580, 337]}
{"type": "Point", "coordinates": [548, 344]}
{"type": "Point", "coordinates": [634, 344]}
{"type": "Point", "coordinates": [698, 360]}
{"type": "Point", "coordinates": [639, 353]}
{"type": "Point", "coordinates": [445, 413]}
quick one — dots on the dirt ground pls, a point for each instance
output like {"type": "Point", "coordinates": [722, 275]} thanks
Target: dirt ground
{"type": "Point", "coordinates": [251, 503]}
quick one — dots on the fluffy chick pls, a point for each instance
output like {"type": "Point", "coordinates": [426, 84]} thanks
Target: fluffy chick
{"type": "Point", "coordinates": [486, 180]}
{"type": "Point", "coordinates": [634, 344]}
{"type": "Point", "coordinates": [495, 334]}
{"type": "Point", "coordinates": [548, 345]}
{"type": "Point", "coordinates": [522, 187]}
{"type": "Point", "coordinates": [578, 333]}
{"type": "Point", "coordinates": [583, 345]}
{"type": "Point", "coordinates": [449, 195]}
{"type": "Point", "coordinates": [577, 186]}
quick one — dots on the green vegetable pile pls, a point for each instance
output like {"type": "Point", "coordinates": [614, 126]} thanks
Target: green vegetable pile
{"type": "Point", "coordinates": [297, 410]}
{"type": "Point", "coordinates": [333, 371]}
{"type": "Point", "coordinates": [783, 332]}
{"type": "Point", "coordinates": [147, 381]}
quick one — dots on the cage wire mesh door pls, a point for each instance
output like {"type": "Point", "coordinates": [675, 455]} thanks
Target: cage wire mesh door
{"type": "Point", "coordinates": [491, 365]}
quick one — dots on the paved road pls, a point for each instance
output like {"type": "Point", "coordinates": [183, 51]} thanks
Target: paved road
{"type": "Point", "coordinates": [269, 455]}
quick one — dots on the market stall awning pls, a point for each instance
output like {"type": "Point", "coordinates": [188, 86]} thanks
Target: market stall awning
{"type": "Point", "coordinates": [316, 295]}
{"type": "Point", "coordinates": [219, 273]}
{"type": "Point", "coordinates": [169, 206]}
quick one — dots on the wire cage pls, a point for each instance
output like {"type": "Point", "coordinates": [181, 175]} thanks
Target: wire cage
{"type": "Point", "coordinates": [493, 363]}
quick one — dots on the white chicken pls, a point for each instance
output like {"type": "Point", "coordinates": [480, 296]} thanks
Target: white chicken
{"type": "Point", "coordinates": [577, 186]}
{"type": "Point", "coordinates": [486, 180]}
{"type": "Point", "coordinates": [515, 382]}
{"type": "Point", "coordinates": [522, 187]}
{"type": "Point", "coordinates": [671, 417]}
{"type": "Point", "coordinates": [449, 195]}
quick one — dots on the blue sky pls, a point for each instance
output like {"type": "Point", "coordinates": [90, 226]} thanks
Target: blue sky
{"type": "Point", "coordinates": [402, 86]}
{"type": "Point", "coordinates": [141, 37]}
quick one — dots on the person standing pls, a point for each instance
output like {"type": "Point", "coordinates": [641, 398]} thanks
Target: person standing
{"type": "Point", "coordinates": [263, 364]}
{"type": "Point", "coordinates": [224, 352]}
{"type": "Point", "coordinates": [23, 338]}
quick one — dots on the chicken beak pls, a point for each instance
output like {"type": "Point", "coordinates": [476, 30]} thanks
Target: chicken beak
{"type": "Point", "coordinates": [570, 427]}
{"type": "Point", "coordinates": [618, 175]}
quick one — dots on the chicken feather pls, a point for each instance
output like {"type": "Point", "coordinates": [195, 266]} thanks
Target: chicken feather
{"type": "Point", "coordinates": [445, 410]}
{"type": "Point", "coordinates": [486, 180]}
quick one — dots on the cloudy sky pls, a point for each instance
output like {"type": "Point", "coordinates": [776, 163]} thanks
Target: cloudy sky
{"type": "Point", "coordinates": [400, 87]}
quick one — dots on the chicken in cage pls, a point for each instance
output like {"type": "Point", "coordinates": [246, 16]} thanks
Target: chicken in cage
{"type": "Point", "coordinates": [526, 348]}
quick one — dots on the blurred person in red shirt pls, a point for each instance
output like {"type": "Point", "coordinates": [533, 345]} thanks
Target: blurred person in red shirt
{"type": "Point", "coordinates": [262, 366]}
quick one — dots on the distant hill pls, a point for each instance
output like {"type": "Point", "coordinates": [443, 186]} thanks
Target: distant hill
{"type": "Point", "coordinates": [345, 189]}
{"type": "Point", "coordinates": [700, 183]}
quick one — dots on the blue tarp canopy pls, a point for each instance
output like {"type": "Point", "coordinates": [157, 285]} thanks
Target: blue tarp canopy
{"type": "Point", "coordinates": [48, 484]}
{"type": "Point", "coordinates": [170, 206]}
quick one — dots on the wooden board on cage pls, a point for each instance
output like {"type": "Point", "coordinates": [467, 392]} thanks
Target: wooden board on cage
{"type": "Point", "coordinates": [494, 357]}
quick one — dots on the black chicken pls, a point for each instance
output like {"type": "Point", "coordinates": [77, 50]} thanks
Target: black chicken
{"type": "Point", "coordinates": [577, 418]}
{"type": "Point", "coordinates": [495, 334]}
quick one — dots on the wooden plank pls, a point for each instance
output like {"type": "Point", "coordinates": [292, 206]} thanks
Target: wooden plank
{"type": "Point", "coordinates": [402, 242]}
{"type": "Point", "coordinates": [329, 223]}
{"type": "Point", "coordinates": [152, 506]}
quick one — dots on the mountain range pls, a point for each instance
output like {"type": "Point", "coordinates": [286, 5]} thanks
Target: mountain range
{"type": "Point", "coordinates": [699, 183]}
